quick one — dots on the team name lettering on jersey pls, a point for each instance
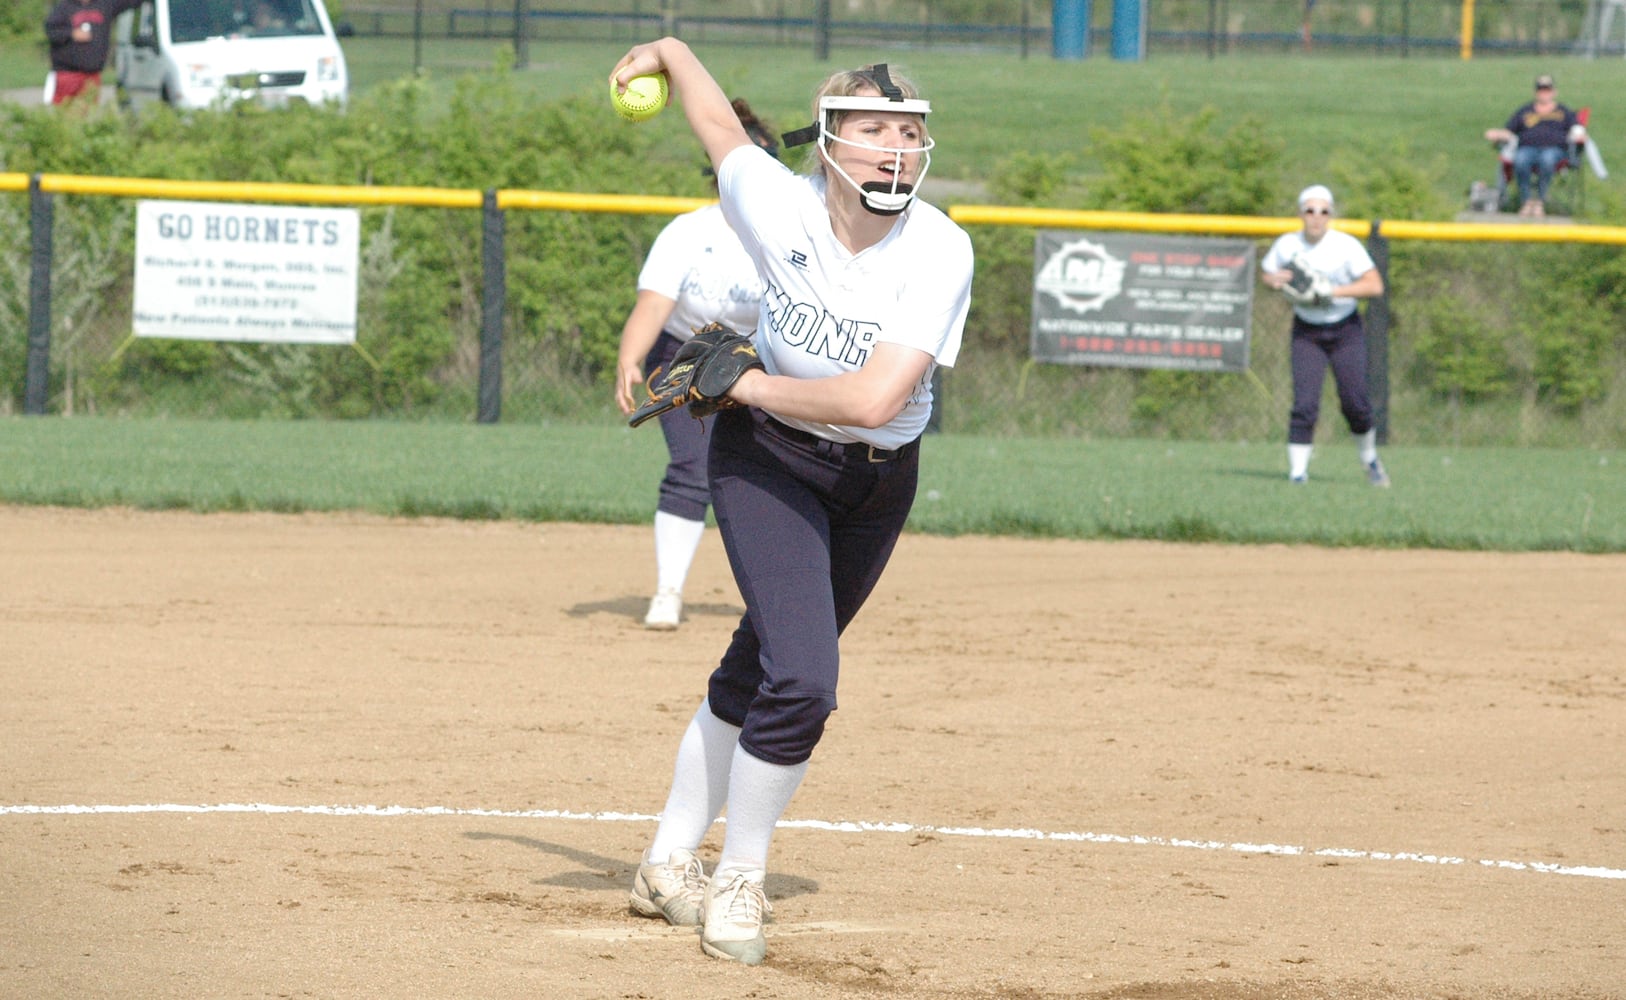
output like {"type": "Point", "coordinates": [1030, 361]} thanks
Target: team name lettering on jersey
{"type": "Point", "coordinates": [807, 325]}
{"type": "Point", "coordinates": [695, 283]}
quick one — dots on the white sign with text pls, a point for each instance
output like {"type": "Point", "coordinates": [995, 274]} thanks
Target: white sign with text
{"type": "Point", "coordinates": [270, 273]}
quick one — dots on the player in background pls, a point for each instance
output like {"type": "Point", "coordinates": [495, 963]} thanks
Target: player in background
{"type": "Point", "coordinates": [696, 273]}
{"type": "Point", "coordinates": [81, 33]}
{"type": "Point", "coordinates": [866, 291]}
{"type": "Point", "coordinates": [1327, 333]}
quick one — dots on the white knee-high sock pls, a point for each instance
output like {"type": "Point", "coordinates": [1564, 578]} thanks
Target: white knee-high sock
{"type": "Point", "coordinates": [758, 793]}
{"type": "Point", "coordinates": [1298, 460]}
{"type": "Point", "coordinates": [676, 539]}
{"type": "Point", "coordinates": [1368, 444]}
{"type": "Point", "coordinates": [699, 784]}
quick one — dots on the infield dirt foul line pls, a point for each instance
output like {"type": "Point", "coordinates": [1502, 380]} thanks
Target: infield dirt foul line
{"type": "Point", "coordinates": [844, 826]}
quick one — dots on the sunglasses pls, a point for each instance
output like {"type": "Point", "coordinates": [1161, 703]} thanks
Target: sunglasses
{"type": "Point", "coordinates": [1316, 211]}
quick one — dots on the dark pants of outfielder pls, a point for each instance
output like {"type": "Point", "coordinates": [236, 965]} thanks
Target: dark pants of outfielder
{"type": "Point", "coordinates": [1341, 345]}
{"type": "Point", "coordinates": [808, 526]}
{"type": "Point", "coordinates": [684, 491]}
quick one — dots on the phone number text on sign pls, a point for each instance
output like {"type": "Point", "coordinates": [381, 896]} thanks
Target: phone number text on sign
{"type": "Point", "coordinates": [213, 271]}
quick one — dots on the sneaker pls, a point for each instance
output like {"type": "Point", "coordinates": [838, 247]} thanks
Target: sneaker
{"type": "Point", "coordinates": [665, 611]}
{"type": "Point", "coordinates": [734, 913]}
{"type": "Point", "coordinates": [1375, 474]}
{"type": "Point", "coordinates": [1300, 478]}
{"type": "Point", "coordinates": [674, 890]}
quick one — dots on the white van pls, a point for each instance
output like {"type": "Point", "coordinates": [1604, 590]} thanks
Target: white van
{"type": "Point", "coordinates": [200, 53]}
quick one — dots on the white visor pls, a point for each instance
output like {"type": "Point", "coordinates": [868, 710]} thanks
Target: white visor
{"type": "Point", "coordinates": [907, 105]}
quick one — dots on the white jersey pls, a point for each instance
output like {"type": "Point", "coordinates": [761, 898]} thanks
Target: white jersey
{"type": "Point", "coordinates": [821, 311]}
{"type": "Point", "coordinates": [1338, 255]}
{"type": "Point", "coordinates": [698, 262]}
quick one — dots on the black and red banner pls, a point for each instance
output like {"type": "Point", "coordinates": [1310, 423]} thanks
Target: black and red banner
{"type": "Point", "coordinates": [1131, 300]}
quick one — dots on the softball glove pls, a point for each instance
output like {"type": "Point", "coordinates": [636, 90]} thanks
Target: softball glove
{"type": "Point", "coordinates": [700, 375]}
{"type": "Point", "coordinates": [1305, 285]}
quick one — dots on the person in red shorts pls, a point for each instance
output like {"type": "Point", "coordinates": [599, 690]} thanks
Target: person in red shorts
{"type": "Point", "coordinates": [81, 33]}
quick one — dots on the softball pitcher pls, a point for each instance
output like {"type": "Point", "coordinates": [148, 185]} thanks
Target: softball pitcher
{"type": "Point", "coordinates": [866, 291]}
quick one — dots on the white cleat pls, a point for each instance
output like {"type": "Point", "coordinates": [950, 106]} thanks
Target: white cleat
{"type": "Point", "coordinates": [735, 910]}
{"type": "Point", "coordinates": [665, 611]}
{"type": "Point", "coordinates": [675, 890]}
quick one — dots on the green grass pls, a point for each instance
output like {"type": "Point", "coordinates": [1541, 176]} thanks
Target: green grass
{"type": "Point", "coordinates": [1490, 499]}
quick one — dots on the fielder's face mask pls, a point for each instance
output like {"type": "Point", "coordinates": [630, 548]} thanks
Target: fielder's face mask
{"type": "Point", "coordinates": [879, 197]}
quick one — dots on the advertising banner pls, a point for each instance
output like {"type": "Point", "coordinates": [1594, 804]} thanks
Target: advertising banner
{"type": "Point", "coordinates": [269, 273]}
{"type": "Point", "coordinates": [1130, 300]}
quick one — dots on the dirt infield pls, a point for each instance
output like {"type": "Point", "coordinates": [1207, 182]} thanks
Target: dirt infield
{"type": "Point", "coordinates": [1059, 769]}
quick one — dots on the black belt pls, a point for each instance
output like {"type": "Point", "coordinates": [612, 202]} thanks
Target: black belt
{"type": "Point", "coordinates": [1335, 324]}
{"type": "Point", "coordinates": [853, 450]}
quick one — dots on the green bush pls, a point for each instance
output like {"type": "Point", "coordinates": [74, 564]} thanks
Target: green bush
{"type": "Point", "coordinates": [1457, 301]}
{"type": "Point", "coordinates": [23, 18]}
{"type": "Point", "coordinates": [1174, 163]}
{"type": "Point", "coordinates": [1569, 357]}
{"type": "Point", "coordinates": [1388, 180]}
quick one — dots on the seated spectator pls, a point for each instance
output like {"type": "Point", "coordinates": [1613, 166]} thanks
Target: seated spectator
{"type": "Point", "coordinates": [1544, 130]}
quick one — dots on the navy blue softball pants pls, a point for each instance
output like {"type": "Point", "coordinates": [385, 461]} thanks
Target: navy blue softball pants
{"type": "Point", "coordinates": [1342, 346]}
{"type": "Point", "coordinates": [808, 526]}
{"type": "Point", "coordinates": [683, 490]}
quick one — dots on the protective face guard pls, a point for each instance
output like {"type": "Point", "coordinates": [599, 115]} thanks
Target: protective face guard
{"type": "Point", "coordinates": [876, 196]}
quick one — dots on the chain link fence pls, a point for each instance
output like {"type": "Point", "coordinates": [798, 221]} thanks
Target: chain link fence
{"type": "Point", "coordinates": [1216, 27]}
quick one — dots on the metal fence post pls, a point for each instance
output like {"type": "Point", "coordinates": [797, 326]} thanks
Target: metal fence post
{"type": "Point", "coordinates": [417, 39]}
{"type": "Point", "coordinates": [821, 31]}
{"type": "Point", "coordinates": [1377, 334]}
{"type": "Point", "coordinates": [495, 293]}
{"type": "Point", "coordinates": [522, 35]}
{"type": "Point", "coordinates": [37, 381]}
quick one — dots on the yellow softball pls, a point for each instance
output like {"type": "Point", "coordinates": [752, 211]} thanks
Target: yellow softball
{"type": "Point", "coordinates": [643, 99]}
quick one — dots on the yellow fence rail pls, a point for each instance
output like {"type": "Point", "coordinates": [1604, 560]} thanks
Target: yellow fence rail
{"type": "Point", "coordinates": [1243, 225]}
{"type": "Point", "coordinates": [965, 214]}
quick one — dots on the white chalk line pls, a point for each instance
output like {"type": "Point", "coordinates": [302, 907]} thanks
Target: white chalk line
{"type": "Point", "coordinates": [659, 932]}
{"type": "Point", "coordinates": [1182, 843]}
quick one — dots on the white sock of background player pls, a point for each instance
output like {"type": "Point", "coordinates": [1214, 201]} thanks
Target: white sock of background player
{"type": "Point", "coordinates": [758, 794]}
{"type": "Point", "coordinates": [699, 784]}
{"type": "Point", "coordinates": [1298, 460]}
{"type": "Point", "coordinates": [1368, 443]}
{"type": "Point", "coordinates": [676, 539]}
